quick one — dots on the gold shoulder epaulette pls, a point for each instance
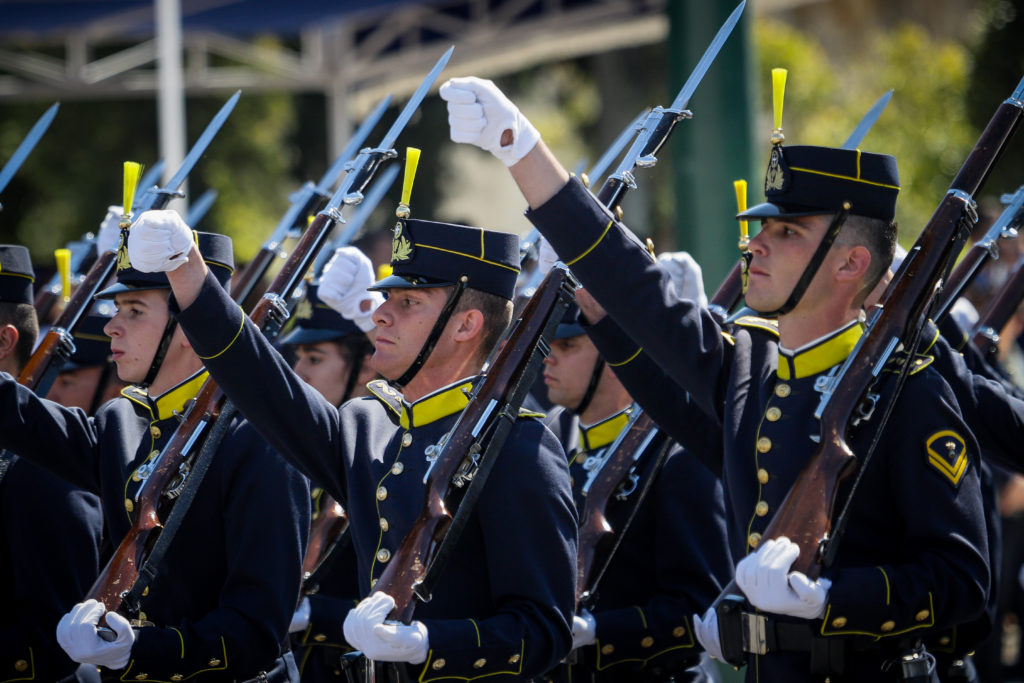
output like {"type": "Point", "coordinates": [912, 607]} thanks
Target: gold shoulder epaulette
{"type": "Point", "coordinates": [526, 412]}
{"type": "Point", "coordinates": [920, 362]}
{"type": "Point", "coordinates": [769, 325]}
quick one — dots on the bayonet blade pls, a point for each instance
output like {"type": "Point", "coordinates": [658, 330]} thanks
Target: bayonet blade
{"type": "Point", "coordinates": [202, 143]}
{"type": "Point", "coordinates": [353, 146]}
{"type": "Point", "coordinates": [414, 102]}
{"type": "Point", "coordinates": [27, 145]}
{"type": "Point", "coordinates": [683, 98]}
{"type": "Point", "coordinates": [866, 123]}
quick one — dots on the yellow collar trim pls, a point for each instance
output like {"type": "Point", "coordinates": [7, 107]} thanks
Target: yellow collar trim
{"type": "Point", "coordinates": [169, 402]}
{"type": "Point", "coordinates": [603, 432]}
{"type": "Point", "coordinates": [437, 405]}
{"type": "Point", "coordinates": [819, 355]}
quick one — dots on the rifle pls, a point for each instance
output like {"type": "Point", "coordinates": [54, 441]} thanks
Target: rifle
{"type": "Point", "coordinates": [985, 335]}
{"type": "Point", "coordinates": [1005, 227]}
{"type": "Point", "coordinates": [613, 475]}
{"type": "Point", "coordinates": [57, 345]}
{"type": "Point", "coordinates": [305, 201]}
{"type": "Point", "coordinates": [465, 455]}
{"type": "Point", "coordinates": [805, 515]}
{"type": "Point", "coordinates": [325, 531]}
{"type": "Point", "coordinates": [27, 145]}
{"type": "Point", "coordinates": [168, 475]}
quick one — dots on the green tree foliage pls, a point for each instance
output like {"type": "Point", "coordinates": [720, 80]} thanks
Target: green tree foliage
{"type": "Point", "coordinates": [925, 125]}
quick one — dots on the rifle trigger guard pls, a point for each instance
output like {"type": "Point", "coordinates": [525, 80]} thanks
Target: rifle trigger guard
{"type": "Point", "coordinates": [278, 308]}
{"type": "Point", "coordinates": [866, 408]}
{"type": "Point", "coordinates": [627, 486]}
{"type": "Point", "coordinates": [66, 345]}
{"type": "Point", "coordinates": [175, 490]}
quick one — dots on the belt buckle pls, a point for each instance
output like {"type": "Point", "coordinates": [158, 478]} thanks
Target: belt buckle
{"type": "Point", "coordinates": [755, 633]}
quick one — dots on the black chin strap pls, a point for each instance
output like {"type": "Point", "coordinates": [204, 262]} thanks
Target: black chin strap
{"type": "Point", "coordinates": [435, 334]}
{"type": "Point", "coordinates": [812, 266]}
{"type": "Point", "coordinates": [588, 395]}
{"type": "Point", "coordinates": [161, 351]}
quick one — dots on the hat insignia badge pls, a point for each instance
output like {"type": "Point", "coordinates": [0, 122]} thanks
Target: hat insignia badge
{"type": "Point", "coordinates": [304, 311]}
{"type": "Point", "coordinates": [123, 261]}
{"type": "Point", "coordinates": [775, 178]}
{"type": "Point", "coordinates": [401, 247]}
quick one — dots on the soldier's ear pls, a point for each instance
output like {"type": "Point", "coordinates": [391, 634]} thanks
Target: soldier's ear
{"type": "Point", "coordinates": [8, 343]}
{"type": "Point", "coordinates": [854, 264]}
{"type": "Point", "coordinates": [469, 324]}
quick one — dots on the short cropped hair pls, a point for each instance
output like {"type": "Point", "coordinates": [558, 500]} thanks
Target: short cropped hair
{"type": "Point", "coordinates": [878, 237]}
{"type": "Point", "coordinates": [497, 312]}
{"type": "Point", "coordinates": [23, 318]}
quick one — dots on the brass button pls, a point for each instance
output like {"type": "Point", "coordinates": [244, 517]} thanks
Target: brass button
{"type": "Point", "coordinates": [773, 414]}
{"type": "Point", "coordinates": [647, 642]}
{"type": "Point", "coordinates": [384, 524]}
{"type": "Point", "coordinates": [20, 665]}
{"type": "Point", "coordinates": [382, 493]}
{"type": "Point", "coordinates": [145, 591]}
{"type": "Point", "coordinates": [141, 677]}
{"type": "Point", "coordinates": [129, 505]}
{"type": "Point", "coordinates": [142, 616]}
{"type": "Point", "coordinates": [839, 622]}
{"type": "Point", "coordinates": [407, 439]}
{"type": "Point", "coordinates": [320, 637]}
{"type": "Point", "coordinates": [177, 677]}
{"type": "Point", "coordinates": [761, 509]}
{"type": "Point", "coordinates": [514, 659]}
{"type": "Point", "coordinates": [762, 475]}
{"type": "Point", "coordinates": [754, 539]}
{"type": "Point", "coordinates": [438, 664]}
{"type": "Point", "coordinates": [679, 631]}
{"type": "Point", "coordinates": [782, 390]}
{"type": "Point", "coordinates": [383, 555]}
{"type": "Point", "coordinates": [214, 662]}
{"type": "Point", "coordinates": [155, 432]}
{"type": "Point", "coordinates": [373, 582]}
{"type": "Point", "coordinates": [608, 649]}
{"type": "Point", "coordinates": [764, 444]}
{"type": "Point", "coordinates": [944, 640]}
{"type": "Point", "coordinates": [922, 615]}
{"type": "Point", "coordinates": [397, 468]}
{"type": "Point", "coordinates": [888, 626]}
{"type": "Point", "coordinates": [479, 664]}
{"type": "Point", "coordinates": [136, 476]}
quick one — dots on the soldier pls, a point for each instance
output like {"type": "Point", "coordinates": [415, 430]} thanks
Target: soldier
{"type": "Point", "coordinates": [225, 591]}
{"type": "Point", "coordinates": [913, 558]}
{"type": "Point", "coordinates": [332, 354]}
{"type": "Point", "coordinates": [503, 606]}
{"type": "Point", "coordinates": [50, 532]}
{"type": "Point", "coordinates": [89, 379]}
{"type": "Point", "coordinates": [638, 630]}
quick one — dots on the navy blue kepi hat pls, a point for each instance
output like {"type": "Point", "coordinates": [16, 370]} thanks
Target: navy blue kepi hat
{"type": "Point", "coordinates": [430, 254]}
{"type": "Point", "coordinates": [216, 251]}
{"type": "Point", "coordinates": [808, 181]}
{"type": "Point", "coordinates": [16, 275]}
{"type": "Point", "coordinates": [316, 322]}
{"type": "Point", "coordinates": [570, 324]}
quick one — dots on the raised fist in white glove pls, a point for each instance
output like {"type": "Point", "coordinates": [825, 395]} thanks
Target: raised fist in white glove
{"type": "Point", "coordinates": [159, 241]}
{"type": "Point", "coordinates": [366, 631]}
{"type": "Point", "coordinates": [480, 114]}
{"type": "Point", "coordinates": [300, 620]}
{"type": "Point", "coordinates": [584, 629]}
{"type": "Point", "coordinates": [109, 236]}
{"type": "Point", "coordinates": [707, 633]}
{"type": "Point", "coordinates": [77, 634]}
{"type": "Point", "coordinates": [343, 287]}
{"type": "Point", "coordinates": [765, 579]}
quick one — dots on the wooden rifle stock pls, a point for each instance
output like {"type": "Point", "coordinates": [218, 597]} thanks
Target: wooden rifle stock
{"type": "Point", "coordinates": [463, 449]}
{"type": "Point", "coordinates": [998, 312]}
{"type": "Point", "coordinates": [595, 531]}
{"type": "Point", "coordinates": [57, 341]}
{"type": "Point", "coordinates": [324, 531]}
{"type": "Point", "coordinates": [728, 294]}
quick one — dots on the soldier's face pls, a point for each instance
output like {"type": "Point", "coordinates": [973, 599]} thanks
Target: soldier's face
{"type": "Point", "coordinates": [404, 322]}
{"type": "Point", "coordinates": [568, 368]}
{"type": "Point", "coordinates": [75, 388]}
{"type": "Point", "coordinates": [780, 252]}
{"type": "Point", "coordinates": [135, 331]}
{"type": "Point", "coordinates": [324, 368]}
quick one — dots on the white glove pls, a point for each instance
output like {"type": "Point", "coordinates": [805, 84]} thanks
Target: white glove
{"type": "Point", "coordinates": [480, 114]}
{"type": "Point", "coordinates": [707, 633]}
{"type": "Point", "coordinates": [546, 256]}
{"type": "Point", "coordinates": [300, 620]}
{"type": "Point", "coordinates": [765, 579]}
{"type": "Point", "coordinates": [76, 633]}
{"type": "Point", "coordinates": [343, 287]}
{"type": "Point", "coordinates": [366, 630]}
{"type": "Point", "coordinates": [109, 236]}
{"type": "Point", "coordinates": [584, 629]}
{"type": "Point", "coordinates": [159, 241]}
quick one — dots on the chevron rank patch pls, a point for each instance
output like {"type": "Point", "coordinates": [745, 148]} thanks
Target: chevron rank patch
{"type": "Point", "coordinates": [947, 453]}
